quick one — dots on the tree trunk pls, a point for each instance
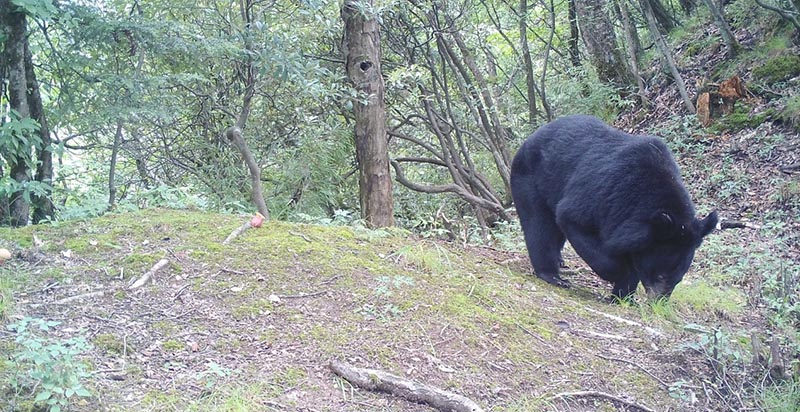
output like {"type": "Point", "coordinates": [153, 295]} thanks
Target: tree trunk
{"type": "Point", "coordinates": [530, 81]}
{"type": "Point", "coordinates": [788, 15]}
{"type": "Point", "coordinates": [546, 61]}
{"type": "Point", "coordinates": [664, 49]}
{"type": "Point", "coordinates": [574, 54]}
{"type": "Point", "coordinates": [601, 43]}
{"type": "Point", "coordinates": [687, 6]}
{"type": "Point", "coordinates": [361, 49]}
{"type": "Point", "coordinates": [14, 25]}
{"type": "Point", "coordinates": [724, 29]}
{"type": "Point", "coordinates": [665, 21]}
{"type": "Point", "coordinates": [43, 208]}
{"type": "Point", "coordinates": [632, 42]}
{"type": "Point", "coordinates": [112, 168]}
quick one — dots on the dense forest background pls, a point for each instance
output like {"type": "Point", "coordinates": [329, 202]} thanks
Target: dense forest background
{"type": "Point", "coordinates": [378, 113]}
{"type": "Point", "coordinates": [125, 105]}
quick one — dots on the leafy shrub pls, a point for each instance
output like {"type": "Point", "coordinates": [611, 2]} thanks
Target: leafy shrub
{"type": "Point", "coordinates": [46, 367]}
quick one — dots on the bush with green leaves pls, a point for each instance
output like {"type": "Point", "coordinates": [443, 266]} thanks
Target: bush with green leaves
{"type": "Point", "coordinates": [47, 368]}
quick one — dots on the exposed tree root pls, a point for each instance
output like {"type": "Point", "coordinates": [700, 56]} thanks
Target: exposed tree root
{"type": "Point", "coordinates": [380, 381]}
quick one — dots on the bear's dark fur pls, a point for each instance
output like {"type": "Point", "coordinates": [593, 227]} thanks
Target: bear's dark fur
{"type": "Point", "coordinates": [618, 199]}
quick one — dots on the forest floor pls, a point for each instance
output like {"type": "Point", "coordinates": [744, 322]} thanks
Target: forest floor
{"type": "Point", "coordinates": [255, 323]}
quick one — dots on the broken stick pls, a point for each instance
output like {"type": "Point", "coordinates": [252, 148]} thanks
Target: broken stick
{"type": "Point", "coordinates": [236, 232]}
{"type": "Point", "coordinates": [149, 275]}
{"type": "Point", "coordinates": [603, 395]}
{"type": "Point", "coordinates": [377, 380]}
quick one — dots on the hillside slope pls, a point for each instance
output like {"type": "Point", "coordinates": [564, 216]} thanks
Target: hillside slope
{"type": "Point", "coordinates": [254, 324]}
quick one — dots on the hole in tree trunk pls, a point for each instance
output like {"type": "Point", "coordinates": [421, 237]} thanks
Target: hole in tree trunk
{"type": "Point", "coordinates": [365, 66]}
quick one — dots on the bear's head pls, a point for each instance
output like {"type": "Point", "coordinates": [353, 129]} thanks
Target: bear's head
{"type": "Point", "coordinates": [663, 264]}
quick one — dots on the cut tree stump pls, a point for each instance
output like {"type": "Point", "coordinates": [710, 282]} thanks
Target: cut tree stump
{"type": "Point", "coordinates": [380, 381]}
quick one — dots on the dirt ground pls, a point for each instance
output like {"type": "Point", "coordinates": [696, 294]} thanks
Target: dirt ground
{"type": "Point", "coordinates": [259, 320]}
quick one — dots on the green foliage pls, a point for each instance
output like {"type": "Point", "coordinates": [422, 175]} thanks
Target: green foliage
{"type": "Point", "coordinates": [6, 294]}
{"type": "Point", "coordinates": [579, 91]}
{"type": "Point", "coordinates": [739, 119]}
{"type": "Point", "coordinates": [43, 9]}
{"type": "Point", "coordinates": [46, 367]}
{"type": "Point", "coordinates": [381, 307]}
{"type": "Point", "coordinates": [778, 68]}
{"type": "Point", "coordinates": [213, 375]}
{"type": "Point", "coordinates": [783, 397]}
{"type": "Point", "coordinates": [790, 113]}
{"type": "Point", "coordinates": [705, 298]}
{"type": "Point", "coordinates": [18, 136]}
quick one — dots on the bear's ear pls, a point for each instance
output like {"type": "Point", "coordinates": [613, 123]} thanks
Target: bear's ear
{"type": "Point", "coordinates": [663, 221]}
{"type": "Point", "coordinates": [663, 225]}
{"type": "Point", "coordinates": [708, 224]}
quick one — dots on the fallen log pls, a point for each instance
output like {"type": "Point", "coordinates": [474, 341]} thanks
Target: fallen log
{"type": "Point", "coordinates": [380, 381]}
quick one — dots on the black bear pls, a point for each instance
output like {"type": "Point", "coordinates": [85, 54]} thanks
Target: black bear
{"type": "Point", "coordinates": [618, 199]}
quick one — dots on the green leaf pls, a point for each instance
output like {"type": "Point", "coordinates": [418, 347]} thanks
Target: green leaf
{"type": "Point", "coordinates": [43, 9]}
{"type": "Point", "coordinates": [81, 391]}
{"type": "Point", "coordinates": [43, 395]}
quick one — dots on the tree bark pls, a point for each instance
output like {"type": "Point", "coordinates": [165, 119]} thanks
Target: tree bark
{"type": "Point", "coordinates": [378, 380]}
{"type": "Point", "coordinates": [234, 135]}
{"type": "Point", "coordinates": [665, 21]}
{"type": "Point", "coordinates": [574, 53]}
{"type": "Point", "coordinates": [530, 81]}
{"type": "Point", "coordinates": [112, 168]}
{"type": "Point", "coordinates": [632, 42]}
{"type": "Point", "coordinates": [361, 49]}
{"type": "Point", "coordinates": [601, 43]}
{"type": "Point", "coordinates": [15, 27]}
{"type": "Point", "coordinates": [665, 52]}
{"type": "Point", "coordinates": [43, 207]}
{"type": "Point", "coordinates": [724, 29]}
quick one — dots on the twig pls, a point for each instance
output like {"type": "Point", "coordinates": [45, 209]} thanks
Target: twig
{"type": "Point", "coordinates": [607, 335]}
{"type": "Point", "coordinates": [604, 395]}
{"type": "Point", "coordinates": [636, 365]}
{"type": "Point", "coordinates": [648, 329]}
{"type": "Point", "coordinates": [539, 338]}
{"type": "Point", "coordinates": [71, 299]}
{"type": "Point", "coordinates": [377, 380]}
{"type": "Point", "coordinates": [301, 235]}
{"type": "Point", "coordinates": [329, 281]}
{"type": "Point", "coordinates": [236, 232]}
{"type": "Point", "coordinates": [306, 295]}
{"type": "Point", "coordinates": [150, 273]}
{"type": "Point", "coordinates": [180, 291]}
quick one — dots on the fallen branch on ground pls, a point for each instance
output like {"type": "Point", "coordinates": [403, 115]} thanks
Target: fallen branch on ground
{"type": "Point", "coordinates": [603, 395]}
{"type": "Point", "coordinates": [377, 380]}
{"type": "Point", "coordinates": [149, 275]}
{"type": "Point", "coordinates": [71, 299]}
{"type": "Point", "coordinates": [236, 232]}
{"type": "Point", "coordinates": [652, 331]}
{"type": "Point", "coordinates": [733, 224]}
{"type": "Point", "coordinates": [604, 335]}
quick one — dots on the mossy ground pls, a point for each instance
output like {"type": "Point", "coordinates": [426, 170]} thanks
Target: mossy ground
{"type": "Point", "coordinates": [256, 322]}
